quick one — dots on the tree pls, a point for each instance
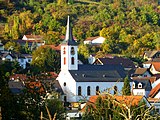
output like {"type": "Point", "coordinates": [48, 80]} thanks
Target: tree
{"type": "Point", "coordinates": [46, 59]}
{"type": "Point", "coordinates": [126, 89]}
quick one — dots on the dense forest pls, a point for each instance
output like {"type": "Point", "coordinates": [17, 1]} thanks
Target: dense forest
{"type": "Point", "coordinates": [129, 26]}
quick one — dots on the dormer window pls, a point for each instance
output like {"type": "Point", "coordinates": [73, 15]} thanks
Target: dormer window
{"type": "Point", "coordinates": [133, 85]}
{"type": "Point", "coordinates": [139, 85]}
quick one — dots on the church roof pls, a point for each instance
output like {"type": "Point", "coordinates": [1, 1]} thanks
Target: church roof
{"type": "Point", "coordinates": [69, 37]}
{"type": "Point", "coordinates": [98, 73]}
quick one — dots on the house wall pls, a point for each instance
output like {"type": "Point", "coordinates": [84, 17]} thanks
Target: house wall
{"type": "Point", "coordinates": [98, 40]}
{"type": "Point", "coordinates": [153, 70]}
{"type": "Point", "coordinates": [146, 74]}
{"type": "Point", "coordinates": [87, 42]}
{"type": "Point", "coordinates": [157, 95]}
{"type": "Point", "coordinates": [139, 92]}
{"type": "Point", "coordinates": [22, 62]}
{"type": "Point", "coordinates": [8, 57]}
{"type": "Point", "coordinates": [146, 65]}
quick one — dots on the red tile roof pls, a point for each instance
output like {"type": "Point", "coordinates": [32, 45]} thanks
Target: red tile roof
{"type": "Point", "coordinates": [57, 48]}
{"type": "Point", "coordinates": [18, 76]}
{"type": "Point", "coordinates": [91, 38]}
{"type": "Point", "coordinates": [34, 36]}
{"type": "Point", "coordinates": [154, 91]}
{"type": "Point", "coordinates": [121, 100]}
{"type": "Point", "coordinates": [156, 66]}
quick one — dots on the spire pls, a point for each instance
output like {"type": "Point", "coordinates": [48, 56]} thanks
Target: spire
{"type": "Point", "coordinates": [69, 37]}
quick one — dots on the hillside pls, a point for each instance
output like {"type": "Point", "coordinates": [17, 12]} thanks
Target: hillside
{"type": "Point", "coordinates": [129, 26]}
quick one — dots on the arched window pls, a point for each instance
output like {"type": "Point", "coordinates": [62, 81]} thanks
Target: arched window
{"type": "Point", "coordinates": [88, 90]}
{"type": "Point", "coordinates": [79, 90]}
{"type": "Point", "coordinates": [115, 90]}
{"type": "Point", "coordinates": [65, 98]}
{"type": "Point", "coordinates": [97, 90]}
{"type": "Point", "coordinates": [64, 60]}
{"type": "Point", "coordinates": [64, 50]}
{"type": "Point", "coordinates": [64, 84]}
{"type": "Point", "coordinates": [72, 60]}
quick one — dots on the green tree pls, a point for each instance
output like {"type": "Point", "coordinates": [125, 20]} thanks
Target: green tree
{"type": "Point", "coordinates": [46, 59]}
{"type": "Point", "coordinates": [126, 89]}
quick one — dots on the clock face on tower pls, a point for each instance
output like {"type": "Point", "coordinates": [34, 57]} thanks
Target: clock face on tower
{"type": "Point", "coordinates": [72, 51]}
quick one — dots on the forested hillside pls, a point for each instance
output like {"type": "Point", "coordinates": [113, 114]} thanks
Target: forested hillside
{"type": "Point", "coordinates": [129, 26]}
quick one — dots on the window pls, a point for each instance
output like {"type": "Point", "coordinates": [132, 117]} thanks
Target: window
{"type": "Point", "coordinates": [79, 90]}
{"type": "Point", "coordinates": [88, 90]}
{"type": "Point", "coordinates": [64, 50]}
{"type": "Point", "coordinates": [65, 98]}
{"type": "Point", "coordinates": [97, 90]}
{"type": "Point", "coordinates": [72, 51]}
{"type": "Point", "coordinates": [64, 60]}
{"type": "Point", "coordinates": [115, 90]}
{"type": "Point", "coordinates": [72, 60]}
{"type": "Point", "coordinates": [139, 85]}
{"type": "Point", "coordinates": [64, 84]}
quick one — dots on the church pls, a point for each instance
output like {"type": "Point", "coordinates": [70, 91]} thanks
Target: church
{"type": "Point", "coordinates": [80, 81]}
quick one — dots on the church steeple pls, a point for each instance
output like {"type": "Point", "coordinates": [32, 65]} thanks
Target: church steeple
{"type": "Point", "coordinates": [69, 54]}
{"type": "Point", "coordinates": [69, 37]}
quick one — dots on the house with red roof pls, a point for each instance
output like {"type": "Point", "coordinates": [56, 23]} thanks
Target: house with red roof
{"type": "Point", "coordinates": [155, 68]}
{"type": "Point", "coordinates": [155, 92]}
{"type": "Point", "coordinates": [94, 40]}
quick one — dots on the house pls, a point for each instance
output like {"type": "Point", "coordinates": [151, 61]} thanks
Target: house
{"type": "Point", "coordinates": [156, 103]}
{"type": "Point", "coordinates": [148, 63]}
{"type": "Point", "coordinates": [79, 82]}
{"type": "Point", "coordinates": [120, 100]}
{"type": "Point", "coordinates": [9, 56]}
{"type": "Point", "coordinates": [33, 41]}
{"type": "Point", "coordinates": [149, 55]}
{"type": "Point", "coordinates": [18, 77]}
{"type": "Point", "coordinates": [155, 92]}
{"type": "Point", "coordinates": [155, 68]}
{"type": "Point", "coordinates": [142, 72]}
{"type": "Point", "coordinates": [141, 87]}
{"type": "Point", "coordinates": [32, 37]}
{"type": "Point", "coordinates": [16, 87]}
{"type": "Point", "coordinates": [94, 40]}
{"type": "Point", "coordinates": [22, 59]}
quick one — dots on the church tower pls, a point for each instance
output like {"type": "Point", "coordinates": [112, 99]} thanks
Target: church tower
{"type": "Point", "coordinates": [69, 55]}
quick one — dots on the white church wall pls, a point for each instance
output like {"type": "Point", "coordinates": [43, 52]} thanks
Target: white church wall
{"type": "Point", "coordinates": [103, 86]}
{"type": "Point", "coordinates": [70, 88]}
